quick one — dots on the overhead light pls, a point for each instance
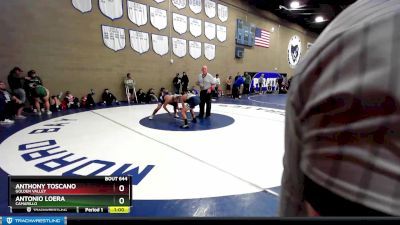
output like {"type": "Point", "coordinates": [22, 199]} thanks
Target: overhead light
{"type": "Point", "coordinates": [319, 19]}
{"type": "Point", "coordinates": [294, 5]}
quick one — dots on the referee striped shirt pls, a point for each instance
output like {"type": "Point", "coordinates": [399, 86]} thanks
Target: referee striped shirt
{"type": "Point", "coordinates": [343, 112]}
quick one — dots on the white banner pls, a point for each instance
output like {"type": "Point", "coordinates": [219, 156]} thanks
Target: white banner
{"type": "Point", "coordinates": [180, 23]}
{"type": "Point", "coordinates": [195, 6]}
{"type": "Point", "coordinates": [222, 12]}
{"type": "Point", "coordinates": [209, 30]}
{"type": "Point", "coordinates": [158, 18]}
{"type": "Point", "coordinates": [179, 47]}
{"type": "Point", "coordinates": [195, 49]}
{"type": "Point", "coordinates": [111, 8]}
{"type": "Point", "coordinates": [137, 13]}
{"type": "Point", "coordinates": [113, 37]}
{"type": "Point", "coordinates": [158, 1]}
{"type": "Point", "coordinates": [139, 41]}
{"type": "Point", "coordinates": [209, 51]}
{"type": "Point", "coordinates": [195, 27]}
{"type": "Point", "coordinates": [209, 7]}
{"type": "Point", "coordinates": [160, 44]}
{"type": "Point", "coordinates": [82, 5]}
{"type": "Point", "coordinates": [221, 33]}
{"type": "Point", "coordinates": [180, 4]}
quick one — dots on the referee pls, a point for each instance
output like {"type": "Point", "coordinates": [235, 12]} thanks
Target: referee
{"type": "Point", "coordinates": [206, 82]}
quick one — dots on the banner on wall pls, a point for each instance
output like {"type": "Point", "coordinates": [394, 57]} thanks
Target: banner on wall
{"type": "Point", "coordinates": [111, 8]}
{"type": "Point", "coordinates": [209, 8]}
{"type": "Point", "coordinates": [195, 6]}
{"type": "Point", "coordinates": [179, 23]}
{"type": "Point", "coordinates": [209, 51]}
{"type": "Point", "coordinates": [139, 41]}
{"type": "Point", "coordinates": [179, 47]}
{"type": "Point", "coordinates": [209, 30]}
{"type": "Point", "coordinates": [221, 33]}
{"type": "Point", "coordinates": [159, 1]}
{"type": "Point", "coordinates": [137, 13]}
{"type": "Point", "coordinates": [113, 37]}
{"type": "Point", "coordinates": [160, 44]}
{"type": "Point", "coordinates": [158, 18]}
{"type": "Point", "coordinates": [82, 5]}
{"type": "Point", "coordinates": [222, 12]}
{"type": "Point", "coordinates": [195, 49]}
{"type": "Point", "coordinates": [195, 27]}
{"type": "Point", "coordinates": [180, 4]}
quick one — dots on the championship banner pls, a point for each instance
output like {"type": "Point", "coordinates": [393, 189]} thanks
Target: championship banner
{"type": "Point", "coordinates": [159, 1]}
{"type": "Point", "coordinates": [82, 5]}
{"type": "Point", "coordinates": [209, 30]}
{"type": "Point", "coordinates": [179, 47]}
{"type": "Point", "coordinates": [221, 33]}
{"type": "Point", "coordinates": [195, 27]}
{"type": "Point", "coordinates": [139, 41]}
{"type": "Point", "coordinates": [137, 13]}
{"type": "Point", "coordinates": [158, 18]}
{"type": "Point", "coordinates": [195, 6]}
{"type": "Point", "coordinates": [222, 12]}
{"type": "Point", "coordinates": [113, 37]}
{"type": "Point", "coordinates": [180, 4]}
{"type": "Point", "coordinates": [179, 23]}
{"type": "Point", "coordinates": [209, 51]}
{"type": "Point", "coordinates": [209, 7]}
{"type": "Point", "coordinates": [195, 49]}
{"type": "Point", "coordinates": [111, 8]}
{"type": "Point", "coordinates": [160, 44]}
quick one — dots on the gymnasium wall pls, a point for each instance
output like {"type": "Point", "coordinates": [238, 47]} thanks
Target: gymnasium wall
{"type": "Point", "coordinates": [66, 47]}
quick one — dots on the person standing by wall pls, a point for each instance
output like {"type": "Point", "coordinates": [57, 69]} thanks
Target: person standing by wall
{"type": "Point", "coordinates": [206, 82]}
{"type": "Point", "coordinates": [246, 85]}
{"type": "Point", "coordinates": [177, 83]}
{"type": "Point", "coordinates": [228, 84]}
{"type": "Point", "coordinates": [130, 90]}
{"type": "Point", "coordinates": [185, 82]}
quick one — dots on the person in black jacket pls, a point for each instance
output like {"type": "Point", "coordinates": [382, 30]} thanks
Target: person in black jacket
{"type": "Point", "coordinates": [109, 98]}
{"type": "Point", "coordinates": [15, 81]}
{"type": "Point", "coordinates": [177, 83]}
{"type": "Point", "coordinates": [185, 82]}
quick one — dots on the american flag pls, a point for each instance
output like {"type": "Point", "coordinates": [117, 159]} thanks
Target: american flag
{"type": "Point", "coordinates": [262, 38]}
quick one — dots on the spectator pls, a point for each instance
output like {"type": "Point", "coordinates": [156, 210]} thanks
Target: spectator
{"type": "Point", "coordinates": [342, 149]}
{"type": "Point", "coordinates": [177, 83]}
{"type": "Point", "coordinates": [70, 101]}
{"type": "Point", "coordinates": [247, 82]}
{"type": "Point", "coordinates": [55, 103]}
{"type": "Point", "coordinates": [88, 101]}
{"type": "Point", "coordinates": [130, 89]}
{"type": "Point", "coordinates": [41, 94]}
{"type": "Point", "coordinates": [31, 81]}
{"type": "Point", "coordinates": [261, 82]}
{"type": "Point", "coordinates": [108, 98]}
{"type": "Point", "coordinates": [185, 82]}
{"type": "Point", "coordinates": [10, 106]}
{"type": "Point", "coordinates": [151, 96]}
{"type": "Point", "coordinates": [141, 96]}
{"type": "Point", "coordinates": [236, 87]}
{"type": "Point", "coordinates": [15, 81]}
{"type": "Point", "coordinates": [228, 83]}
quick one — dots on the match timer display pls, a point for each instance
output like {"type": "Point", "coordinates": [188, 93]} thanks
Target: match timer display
{"type": "Point", "coordinates": [70, 194]}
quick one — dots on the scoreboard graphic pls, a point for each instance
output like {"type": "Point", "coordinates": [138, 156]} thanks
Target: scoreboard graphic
{"type": "Point", "coordinates": [70, 194]}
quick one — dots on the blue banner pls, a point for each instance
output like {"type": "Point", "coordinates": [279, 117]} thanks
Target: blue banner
{"type": "Point", "coordinates": [33, 220]}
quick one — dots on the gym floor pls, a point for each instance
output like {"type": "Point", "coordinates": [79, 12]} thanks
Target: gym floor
{"type": "Point", "coordinates": [227, 165]}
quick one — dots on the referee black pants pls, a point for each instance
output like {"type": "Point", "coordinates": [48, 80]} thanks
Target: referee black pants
{"type": "Point", "coordinates": [205, 98]}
